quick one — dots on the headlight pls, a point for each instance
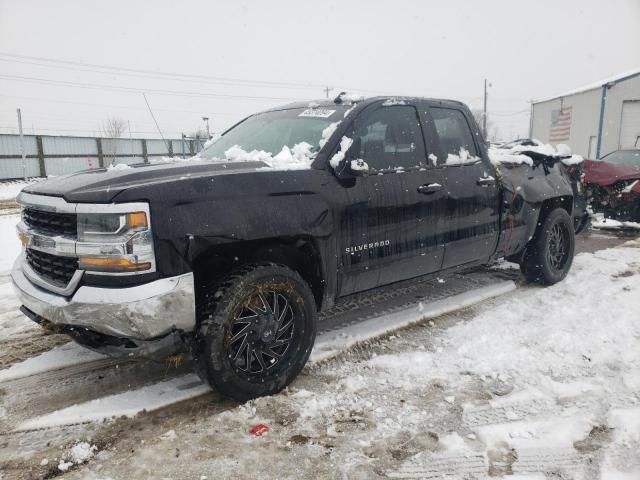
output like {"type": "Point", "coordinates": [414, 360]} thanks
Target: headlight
{"type": "Point", "coordinates": [119, 242]}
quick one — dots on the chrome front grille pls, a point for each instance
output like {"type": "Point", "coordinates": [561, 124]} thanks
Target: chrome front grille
{"type": "Point", "coordinates": [55, 269]}
{"type": "Point", "coordinates": [51, 223]}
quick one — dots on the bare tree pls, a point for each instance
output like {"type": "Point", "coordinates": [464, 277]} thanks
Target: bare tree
{"type": "Point", "coordinates": [112, 128]}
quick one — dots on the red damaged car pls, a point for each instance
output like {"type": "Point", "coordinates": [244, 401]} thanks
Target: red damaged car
{"type": "Point", "coordinates": [613, 184]}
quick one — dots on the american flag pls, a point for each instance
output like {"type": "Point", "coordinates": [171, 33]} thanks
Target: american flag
{"type": "Point", "coordinates": [560, 125]}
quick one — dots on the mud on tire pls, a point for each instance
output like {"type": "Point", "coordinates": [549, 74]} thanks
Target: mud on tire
{"type": "Point", "coordinates": [256, 331]}
{"type": "Point", "coordinates": [549, 254]}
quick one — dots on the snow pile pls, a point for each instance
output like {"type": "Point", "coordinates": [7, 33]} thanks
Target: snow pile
{"type": "Point", "coordinates": [345, 145]}
{"type": "Point", "coordinates": [599, 221]}
{"type": "Point", "coordinates": [80, 453]}
{"type": "Point", "coordinates": [392, 102]}
{"type": "Point", "coordinates": [118, 166]}
{"type": "Point", "coordinates": [297, 158]}
{"type": "Point", "coordinates": [499, 156]}
{"type": "Point", "coordinates": [63, 356]}
{"type": "Point", "coordinates": [346, 114]}
{"type": "Point", "coordinates": [327, 132]}
{"type": "Point", "coordinates": [463, 158]}
{"type": "Point", "coordinates": [359, 165]}
{"type": "Point", "coordinates": [350, 98]}
{"type": "Point", "coordinates": [9, 242]}
{"type": "Point", "coordinates": [127, 404]}
{"type": "Point", "coordinates": [516, 153]}
{"type": "Point", "coordinates": [546, 332]}
{"type": "Point", "coordinates": [10, 190]}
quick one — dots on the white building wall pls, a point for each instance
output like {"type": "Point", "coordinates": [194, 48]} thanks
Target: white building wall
{"type": "Point", "coordinates": [623, 91]}
{"type": "Point", "coordinates": [585, 115]}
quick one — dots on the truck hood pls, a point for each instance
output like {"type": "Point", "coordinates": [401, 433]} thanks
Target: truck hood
{"type": "Point", "coordinates": [605, 174]}
{"type": "Point", "coordinates": [103, 185]}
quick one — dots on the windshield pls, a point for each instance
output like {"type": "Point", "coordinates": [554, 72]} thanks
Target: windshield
{"type": "Point", "coordinates": [271, 132]}
{"type": "Point", "coordinates": [630, 158]}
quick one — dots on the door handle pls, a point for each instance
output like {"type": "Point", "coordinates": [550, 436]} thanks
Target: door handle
{"type": "Point", "coordinates": [486, 181]}
{"type": "Point", "coordinates": [428, 189]}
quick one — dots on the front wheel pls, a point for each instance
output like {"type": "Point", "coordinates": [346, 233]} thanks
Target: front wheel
{"type": "Point", "coordinates": [256, 333]}
{"type": "Point", "coordinates": [549, 255]}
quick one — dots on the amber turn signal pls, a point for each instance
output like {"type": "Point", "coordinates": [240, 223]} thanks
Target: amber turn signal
{"type": "Point", "coordinates": [137, 220]}
{"type": "Point", "coordinates": [112, 264]}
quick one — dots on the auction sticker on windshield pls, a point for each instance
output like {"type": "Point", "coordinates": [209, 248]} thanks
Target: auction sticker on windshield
{"type": "Point", "coordinates": [317, 112]}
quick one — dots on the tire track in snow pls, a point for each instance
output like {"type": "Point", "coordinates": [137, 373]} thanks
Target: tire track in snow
{"type": "Point", "coordinates": [477, 465]}
{"type": "Point", "coordinates": [532, 409]}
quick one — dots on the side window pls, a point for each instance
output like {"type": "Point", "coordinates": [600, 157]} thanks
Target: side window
{"type": "Point", "coordinates": [390, 138]}
{"type": "Point", "coordinates": [456, 139]}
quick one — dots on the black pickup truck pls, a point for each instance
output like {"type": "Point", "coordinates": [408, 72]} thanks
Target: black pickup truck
{"type": "Point", "coordinates": [230, 255]}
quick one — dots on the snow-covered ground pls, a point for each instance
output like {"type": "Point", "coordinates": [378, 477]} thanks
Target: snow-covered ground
{"type": "Point", "coordinates": [538, 383]}
{"type": "Point", "coordinates": [599, 222]}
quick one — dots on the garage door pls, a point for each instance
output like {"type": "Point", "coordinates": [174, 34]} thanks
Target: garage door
{"type": "Point", "coordinates": [630, 124]}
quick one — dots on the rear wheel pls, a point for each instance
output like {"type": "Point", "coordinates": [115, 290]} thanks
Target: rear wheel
{"type": "Point", "coordinates": [256, 331]}
{"type": "Point", "coordinates": [549, 254]}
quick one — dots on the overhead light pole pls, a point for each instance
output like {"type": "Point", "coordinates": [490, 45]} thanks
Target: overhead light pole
{"type": "Point", "coordinates": [24, 157]}
{"type": "Point", "coordinates": [484, 110]}
{"type": "Point", "coordinates": [206, 120]}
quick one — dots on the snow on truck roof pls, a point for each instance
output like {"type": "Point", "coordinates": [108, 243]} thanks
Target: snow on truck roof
{"type": "Point", "coordinates": [599, 84]}
{"type": "Point", "coordinates": [349, 101]}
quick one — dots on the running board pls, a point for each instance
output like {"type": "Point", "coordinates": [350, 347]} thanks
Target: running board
{"type": "Point", "coordinates": [330, 344]}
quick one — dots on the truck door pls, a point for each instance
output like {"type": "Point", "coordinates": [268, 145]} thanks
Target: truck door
{"type": "Point", "coordinates": [469, 227]}
{"type": "Point", "coordinates": [379, 241]}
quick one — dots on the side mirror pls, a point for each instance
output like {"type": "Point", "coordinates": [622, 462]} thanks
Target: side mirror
{"type": "Point", "coordinates": [353, 165]}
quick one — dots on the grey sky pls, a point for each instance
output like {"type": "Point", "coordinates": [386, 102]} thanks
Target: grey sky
{"type": "Point", "coordinates": [430, 48]}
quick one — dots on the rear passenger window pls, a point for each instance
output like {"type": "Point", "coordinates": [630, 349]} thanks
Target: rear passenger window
{"type": "Point", "coordinates": [391, 138]}
{"type": "Point", "coordinates": [456, 138]}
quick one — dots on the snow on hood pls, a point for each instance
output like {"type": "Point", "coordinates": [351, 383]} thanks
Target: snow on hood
{"type": "Point", "coordinates": [516, 153]}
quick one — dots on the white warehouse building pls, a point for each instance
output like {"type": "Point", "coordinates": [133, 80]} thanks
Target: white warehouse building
{"type": "Point", "coordinates": [593, 120]}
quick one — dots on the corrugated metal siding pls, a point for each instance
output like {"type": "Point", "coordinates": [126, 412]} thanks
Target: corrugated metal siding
{"type": "Point", "coordinates": [10, 145]}
{"type": "Point", "coordinates": [157, 147]}
{"type": "Point", "coordinates": [178, 148]}
{"type": "Point", "coordinates": [12, 168]}
{"type": "Point", "coordinates": [69, 146]}
{"type": "Point", "coordinates": [630, 125]}
{"type": "Point", "coordinates": [626, 90]}
{"type": "Point", "coordinates": [121, 146]}
{"type": "Point", "coordinates": [82, 153]}
{"type": "Point", "coordinates": [63, 166]}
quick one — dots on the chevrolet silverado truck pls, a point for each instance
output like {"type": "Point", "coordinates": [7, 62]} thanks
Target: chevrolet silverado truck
{"type": "Point", "coordinates": [229, 256]}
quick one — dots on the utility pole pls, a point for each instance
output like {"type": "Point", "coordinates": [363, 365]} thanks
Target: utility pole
{"type": "Point", "coordinates": [484, 110]}
{"type": "Point", "coordinates": [327, 89]}
{"type": "Point", "coordinates": [24, 157]}
{"type": "Point", "coordinates": [531, 119]}
{"type": "Point", "coordinates": [206, 120]}
{"type": "Point", "coordinates": [130, 139]}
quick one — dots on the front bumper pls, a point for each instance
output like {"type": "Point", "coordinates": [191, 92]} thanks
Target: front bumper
{"type": "Point", "coordinates": [142, 313]}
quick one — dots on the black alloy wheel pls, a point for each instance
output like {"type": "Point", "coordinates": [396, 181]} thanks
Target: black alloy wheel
{"type": "Point", "coordinates": [256, 331]}
{"type": "Point", "coordinates": [548, 256]}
